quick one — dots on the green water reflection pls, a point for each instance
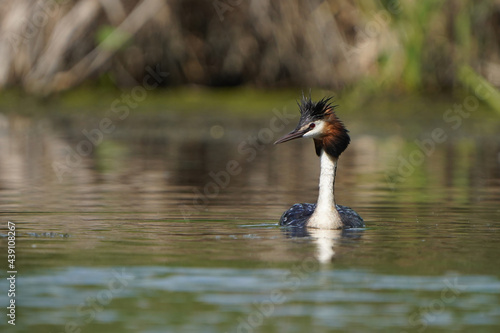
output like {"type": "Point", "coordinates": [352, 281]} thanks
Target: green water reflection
{"type": "Point", "coordinates": [146, 234]}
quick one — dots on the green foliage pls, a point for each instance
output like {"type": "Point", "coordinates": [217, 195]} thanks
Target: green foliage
{"type": "Point", "coordinates": [472, 80]}
{"type": "Point", "coordinates": [111, 38]}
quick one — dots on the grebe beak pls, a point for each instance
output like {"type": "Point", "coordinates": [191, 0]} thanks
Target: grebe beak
{"type": "Point", "coordinates": [295, 134]}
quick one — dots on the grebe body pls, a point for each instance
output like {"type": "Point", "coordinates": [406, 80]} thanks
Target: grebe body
{"type": "Point", "coordinates": [299, 213]}
{"type": "Point", "coordinates": [319, 122]}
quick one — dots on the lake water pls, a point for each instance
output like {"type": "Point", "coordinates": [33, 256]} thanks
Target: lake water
{"type": "Point", "coordinates": [168, 223]}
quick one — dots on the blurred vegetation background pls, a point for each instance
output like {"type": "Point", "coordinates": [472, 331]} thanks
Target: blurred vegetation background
{"type": "Point", "coordinates": [48, 46]}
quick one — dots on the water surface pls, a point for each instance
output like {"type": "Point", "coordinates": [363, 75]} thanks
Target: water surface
{"type": "Point", "coordinates": [169, 224]}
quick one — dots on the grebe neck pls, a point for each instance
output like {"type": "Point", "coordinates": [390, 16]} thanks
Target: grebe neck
{"type": "Point", "coordinates": [325, 215]}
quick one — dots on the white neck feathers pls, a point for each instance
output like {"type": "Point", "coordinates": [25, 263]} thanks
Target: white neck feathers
{"type": "Point", "coordinates": [325, 215]}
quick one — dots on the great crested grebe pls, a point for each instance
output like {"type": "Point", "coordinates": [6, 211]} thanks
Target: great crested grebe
{"type": "Point", "coordinates": [318, 121]}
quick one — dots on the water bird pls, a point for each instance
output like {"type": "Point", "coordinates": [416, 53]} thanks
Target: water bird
{"type": "Point", "coordinates": [319, 122]}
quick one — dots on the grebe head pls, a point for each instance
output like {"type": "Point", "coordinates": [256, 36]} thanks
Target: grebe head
{"type": "Point", "coordinates": [319, 121]}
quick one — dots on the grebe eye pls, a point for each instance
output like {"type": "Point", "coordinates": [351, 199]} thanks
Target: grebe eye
{"type": "Point", "coordinates": [311, 126]}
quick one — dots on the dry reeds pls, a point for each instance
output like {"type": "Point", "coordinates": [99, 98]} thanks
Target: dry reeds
{"type": "Point", "coordinates": [54, 45]}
